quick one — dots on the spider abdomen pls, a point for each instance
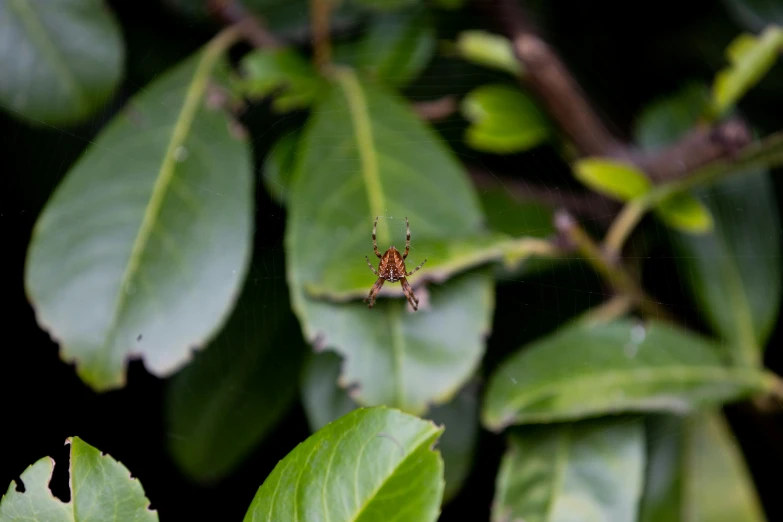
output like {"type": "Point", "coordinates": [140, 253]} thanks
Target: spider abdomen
{"type": "Point", "coordinates": [392, 265]}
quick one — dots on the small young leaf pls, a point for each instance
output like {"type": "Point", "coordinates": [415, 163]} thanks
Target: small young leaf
{"type": "Point", "coordinates": [750, 58]}
{"type": "Point", "coordinates": [374, 463]}
{"type": "Point", "coordinates": [613, 178]}
{"type": "Point", "coordinates": [283, 74]}
{"type": "Point", "coordinates": [685, 213]}
{"type": "Point", "coordinates": [324, 402]}
{"type": "Point", "coordinates": [222, 405]}
{"type": "Point", "coordinates": [101, 489]}
{"type": "Point", "coordinates": [60, 61]}
{"type": "Point", "coordinates": [504, 120]}
{"type": "Point", "coordinates": [397, 46]}
{"type": "Point", "coordinates": [589, 470]}
{"type": "Point", "coordinates": [279, 166]}
{"type": "Point", "coordinates": [489, 50]}
{"type": "Point", "coordinates": [585, 370]}
{"type": "Point", "coordinates": [696, 467]}
{"type": "Point", "coordinates": [145, 244]}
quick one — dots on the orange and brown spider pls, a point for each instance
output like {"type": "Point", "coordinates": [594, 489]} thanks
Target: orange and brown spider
{"type": "Point", "coordinates": [392, 268]}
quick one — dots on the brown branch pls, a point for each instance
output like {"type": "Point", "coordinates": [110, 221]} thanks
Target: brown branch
{"type": "Point", "coordinates": [435, 110]}
{"type": "Point", "coordinates": [587, 205]}
{"type": "Point", "coordinates": [320, 11]}
{"type": "Point", "coordinates": [549, 79]}
{"type": "Point", "coordinates": [231, 12]}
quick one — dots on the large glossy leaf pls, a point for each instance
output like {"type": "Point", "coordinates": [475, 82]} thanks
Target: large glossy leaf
{"type": "Point", "coordinates": [143, 247]}
{"type": "Point", "coordinates": [371, 464]}
{"type": "Point", "coordinates": [587, 471]}
{"type": "Point", "coordinates": [585, 370]}
{"type": "Point", "coordinates": [324, 401]}
{"type": "Point", "coordinates": [397, 46]}
{"type": "Point", "coordinates": [503, 120]}
{"type": "Point", "coordinates": [732, 272]}
{"type": "Point", "coordinates": [101, 489]}
{"type": "Point", "coordinates": [696, 472]}
{"type": "Point", "coordinates": [60, 61]}
{"type": "Point", "coordinates": [365, 154]}
{"type": "Point", "coordinates": [220, 407]}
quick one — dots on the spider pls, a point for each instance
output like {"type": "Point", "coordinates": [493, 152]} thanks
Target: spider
{"type": "Point", "coordinates": [392, 268]}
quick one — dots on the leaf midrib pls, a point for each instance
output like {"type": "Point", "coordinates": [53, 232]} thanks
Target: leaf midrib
{"type": "Point", "coordinates": [182, 127]}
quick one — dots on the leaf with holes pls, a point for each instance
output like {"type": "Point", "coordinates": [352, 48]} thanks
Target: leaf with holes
{"type": "Point", "coordinates": [365, 154]}
{"type": "Point", "coordinates": [503, 120]}
{"type": "Point", "coordinates": [489, 50]}
{"type": "Point", "coordinates": [60, 61]}
{"type": "Point", "coordinates": [283, 74]}
{"type": "Point", "coordinates": [585, 370]}
{"type": "Point", "coordinates": [101, 489]}
{"type": "Point", "coordinates": [324, 402]}
{"type": "Point", "coordinates": [696, 467]}
{"type": "Point", "coordinates": [143, 247]}
{"type": "Point", "coordinates": [221, 406]}
{"type": "Point", "coordinates": [589, 470]}
{"type": "Point", "coordinates": [732, 272]}
{"type": "Point", "coordinates": [371, 464]}
{"type": "Point", "coordinates": [613, 178]}
{"type": "Point", "coordinates": [750, 58]}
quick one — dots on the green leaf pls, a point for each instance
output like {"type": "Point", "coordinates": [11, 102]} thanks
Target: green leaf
{"type": "Point", "coordinates": [445, 259]}
{"type": "Point", "coordinates": [143, 247]}
{"type": "Point", "coordinates": [60, 62]}
{"type": "Point", "coordinates": [503, 120]}
{"type": "Point", "coordinates": [734, 273]}
{"type": "Point", "coordinates": [612, 178]}
{"type": "Point", "coordinates": [324, 402]}
{"type": "Point", "coordinates": [365, 154]}
{"type": "Point", "coordinates": [488, 50]}
{"type": "Point", "coordinates": [279, 166]}
{"type": "Point", "coordinates": [372, 464]}
{"type": "Point", "coordinates": [731, 272]}
{"type": "Point", "coordinates": [590, 369]}
{"type": "Point", "coordinates": [750, 58]}
{"type": "Point", "coordinates": [283, 74]}
{"type": "Point", "coordinates": [101, 489]}
{"type": "Point", "coordinates": [685, 213]}
{"type": "Point", "coordinates": [222, 405]}
{"type": "Point", "coordinates": [588, 471]}
{"type": "Point", "coordinates": [696, 471]}
{"type": "Point", "coordinates": [397, 46]}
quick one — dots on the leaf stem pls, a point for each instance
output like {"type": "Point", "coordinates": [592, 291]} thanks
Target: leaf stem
{"type": "Point", "coordinates": [614, 274]}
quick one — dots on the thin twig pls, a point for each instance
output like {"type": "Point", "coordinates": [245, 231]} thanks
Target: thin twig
{"type": "Point", "coordinates": [232, 12]}
{"type": "Point", "coordinates": [320, 11]}
{"type": "Point", "coordinates": [612, 272]}
{"type": "Point", "coordinates": [435, 110]}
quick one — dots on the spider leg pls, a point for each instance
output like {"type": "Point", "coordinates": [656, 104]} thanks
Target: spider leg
{"type": "Point", "coordinates": [406, 288]}
{"type": "Point", "coordinates": [371, 267]}
{"type": "Point", "coordinates": [374, 241]}
{"type": "Point", "coordinates": [417, 268]}
{"type": "Point", "coordinates": [407, 239]}
{"type": "Point", "coordinates": [374, 292]}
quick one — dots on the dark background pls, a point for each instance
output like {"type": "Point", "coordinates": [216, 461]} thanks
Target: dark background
{"type": "Point", "coordinates": [624, 53]}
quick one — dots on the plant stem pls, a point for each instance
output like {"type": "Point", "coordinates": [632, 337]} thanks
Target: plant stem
{"type": "Point", "coordinates": [319, 20]}
{"type": "Point", "coordinates": [766, 153]}
{"type": "Point", "coordinates": [613, 273]}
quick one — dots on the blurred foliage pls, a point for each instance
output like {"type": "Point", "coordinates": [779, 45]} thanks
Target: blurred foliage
{"type": "Point", "coordinates": [245, 298]}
